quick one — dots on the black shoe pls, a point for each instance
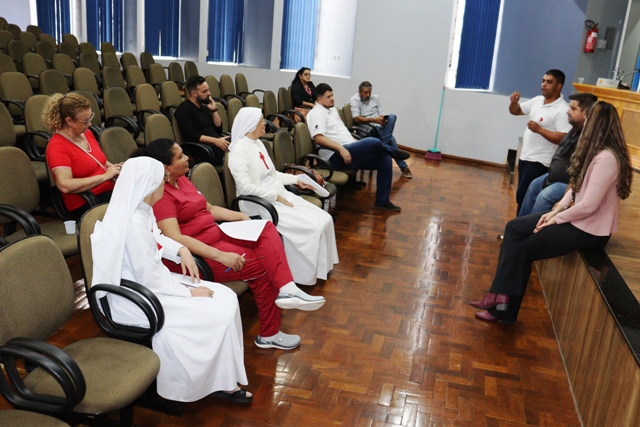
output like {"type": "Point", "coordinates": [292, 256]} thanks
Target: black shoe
{"type": "Point", "coordinates": [388, 206]}
{"type": "Point", "coordinates": [401, 155]}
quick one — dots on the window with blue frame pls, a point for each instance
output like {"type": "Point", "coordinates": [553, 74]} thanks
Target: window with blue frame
{"type": "Point", "coordinates": [54, 17]}
{"type": "Point", "coordinates": [162, 27]}
{"type": "Point", "coordinates": [105, 23]}
{"type": "Point", "coordinates": [474, 43]}
{"type": "Point", "coordinates": [224, 38]}
{"type": "Point", "coordinates": [299, 27]}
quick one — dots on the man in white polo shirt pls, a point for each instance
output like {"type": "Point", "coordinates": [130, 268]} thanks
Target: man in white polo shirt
{"type": "Point", "coordinates": [338, 147]}
{"type": "Point", "coordinates": [548, 124]}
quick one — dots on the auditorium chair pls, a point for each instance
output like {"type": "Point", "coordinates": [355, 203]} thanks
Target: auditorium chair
{"type": "Point", "coordinates": [107, 47]}
{"type": "Point", "coordinates": [274, 119]}
{"type": "Point", "coordinates": [7, 64]}
{"type": "Point", "coordinates": [19, 196]}
{"type": "Point", "coordinates": [157, 76]}
{"type": "Point", "coordinates": [147, 103]}
{"type": "Point", "coordinates": [128, 59]}
{"type": "Point", "coordinates": [86, 47]}
{"type": "Point", "coordinates": [91, 378]}
{"type": "Point", "coordinates": [8, 138]}
{"type": "Point", "coordinates": [13, 29]}
{"type": "Point", "coordinates": [88, 60]}
{"type": "Point", "coordinates": [112, 77]}
{"type": "Point", "coordinates": [285, 106]}
{"type": "Point", "coordinates": [306, 155]}
{"type": "Point", "coordinates": [46, 51]}
{"type": "Point", "coordinates": [358, 130]}
{"type": "Point", "coordinates": [3, 23]}
{"type": "Point", "coordinates": [119, 112]}
{"type": "Point", "coordinates": [227, 89]}
{"type": "Point", "coordinates": [96, 122]}
{"type": "Point", "coordinates": [52, 82]}
{"type": "Point", "coordinates": [110, 59]}
{"type": "Point", "coordinates": [117, 144]}
{"type": "Point", "coordinates": [47, 38]}
{"type": "Point", "coordinates": [17, 50]}
{"type": "Point", "coordinates": [14, 91]}
{"type": "Point", "coordinates": [134, 78]}
{"type": "Point", "coordinates": [170, 97]}
{"type": "Point", "coordinates": [234, 107]}
{"type": "Point", "coordinates": [233, 202]}
{"type": "Point", "coordinates": [71, 39]}
{"type": "Point", "coordinates": [252, 101]}
{"type": "Point", "coordinates": [284, 154]}
{"type": "Point", "coordinates": [176, 74]}
{"type": "Point", "coordinates": [37, 134]}
{"type": "Point", "coordinates": [69, 50]}
{"type": "Point", "coordinates": [35, 30]}
{"type": "Point", "coordinates": [190, 69]}
{"type": "Point", "coordinates": [146, 60]}
{"type": "Point", "coordinates": [198, 152]}
{"type": "Point", "coordinates": [32, 65]}
{"type": "Point", "coordinates": [242, 88]}
{"type": "Point", "coordinates": [214, 88]}
{"type": "Point", "coordinates": [5, 38]}
{"type": "Point", "coordinates": [29, 39]}
{"type": "Point", "coordinates": [65, 65]}
{"type": "Point", "coordinates": [84, 79]}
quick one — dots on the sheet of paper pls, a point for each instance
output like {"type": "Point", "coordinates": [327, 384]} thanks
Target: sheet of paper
{"type": "Point", "coordinates": [244, 230]}
{"type": "Point", "coordinates": [320, 191]}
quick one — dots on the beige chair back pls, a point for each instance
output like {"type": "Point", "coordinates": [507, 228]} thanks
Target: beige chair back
{"type": "Point", "coordinates": [190, 69]}
{"type": "Point", "coordinates": [52, 82]}
{"type": "Point", "coordinates": [158, 127]}
{"type": "Point", "coordinates": [205, 178]}
{"type": "Point", "coordinates": [226, 86]}
{"type": "Point", "coordinates": [85, 229]}
{"type": "Point", "coordinates": [117, 144]}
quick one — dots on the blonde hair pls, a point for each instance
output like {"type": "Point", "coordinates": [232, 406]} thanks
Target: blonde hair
{"type": "Point", "coordinates": [62, 106]}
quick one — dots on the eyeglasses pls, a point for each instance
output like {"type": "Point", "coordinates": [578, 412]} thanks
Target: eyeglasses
{"type": "Point", "coordinates": [86, 121]}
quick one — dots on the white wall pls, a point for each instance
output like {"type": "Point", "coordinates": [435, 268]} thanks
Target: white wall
{"type": "Point", "coordinates": [17, 12]}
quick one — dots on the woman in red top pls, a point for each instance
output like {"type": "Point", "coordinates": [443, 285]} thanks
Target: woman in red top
{"type": "Point", "coordinates": [73, 154]}
{"type": "Point", "coordinates": [184, 215]}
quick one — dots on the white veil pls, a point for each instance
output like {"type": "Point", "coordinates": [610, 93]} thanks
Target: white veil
{"type": "Point", "coordinates": [246, 121]}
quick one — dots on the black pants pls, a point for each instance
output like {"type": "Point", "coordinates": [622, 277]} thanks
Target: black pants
{"type": "Point", "coordinates": [521, 246]}
{"type": "Point", "coordinates": [527, 172]}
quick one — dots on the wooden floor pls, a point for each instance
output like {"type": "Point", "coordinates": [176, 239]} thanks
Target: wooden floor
{"type": "Point", "coordinates": [396, 343]}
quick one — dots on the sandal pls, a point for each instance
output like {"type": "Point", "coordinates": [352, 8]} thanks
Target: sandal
{"type": "Point", "coordinates": [238, 396]}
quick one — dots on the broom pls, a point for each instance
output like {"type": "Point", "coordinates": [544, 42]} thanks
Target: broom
{"type": "Point", "coordinates": [434, 153]}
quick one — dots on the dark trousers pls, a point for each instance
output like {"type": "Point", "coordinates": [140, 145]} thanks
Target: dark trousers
{"type": "Point", "coordinates": [527, 172]}
{"type": "Point", "coordinates": [521, 246]}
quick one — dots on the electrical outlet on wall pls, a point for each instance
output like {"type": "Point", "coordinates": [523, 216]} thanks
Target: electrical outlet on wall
{"type": "Point", "coordinates": [335, 57]}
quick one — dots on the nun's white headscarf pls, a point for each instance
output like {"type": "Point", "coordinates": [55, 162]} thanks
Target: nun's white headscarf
{"type": "Point", "coordinates": [246, 121]}
{"type": "Point", "coordinates": [138, 178]}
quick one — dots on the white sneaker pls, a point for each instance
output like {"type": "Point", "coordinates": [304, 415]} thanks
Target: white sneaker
{"type": "Point", "coordinates": [299, 300]}
{"type": "Point", "coordinates": [281, 341]}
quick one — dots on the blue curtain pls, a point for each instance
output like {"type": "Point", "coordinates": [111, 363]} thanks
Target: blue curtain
{"type": "Point", "coordinates": [105, 23]}
{"type": "Point", "coordinates": [299, 26]}
{"type": "Point", "coordinates": [224, 41]}
{"type": "Point", "coordinates": [54, 17]}
{"type": "Point", "coordinates": [477, 41]}
{"type": "Point", "coordinates": [162, 27]}
{"type": "Point", "coordinates": [636, 77]}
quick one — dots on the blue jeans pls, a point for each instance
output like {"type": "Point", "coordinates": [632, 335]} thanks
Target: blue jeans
{"type": "Point", "coordinates": [527, 172]}
{"type": "Point", "coordinates": [538, 199]}
{"type": "Point", "coordinates": [369, 154]}
{"type": "Point", "coordinates": [385, 134]}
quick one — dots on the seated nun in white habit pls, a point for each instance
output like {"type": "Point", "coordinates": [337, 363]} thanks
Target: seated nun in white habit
{"type": "Point", "coordinates": [200, 346]}
{"type": "Point", "coordinates": [307, 231]}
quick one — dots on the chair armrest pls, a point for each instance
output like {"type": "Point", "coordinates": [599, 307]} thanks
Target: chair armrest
{"type": "Point", "coordinates": [98, 78]}
{"type": "Point", "coordinates": [96, 131]}
{"type": "Point", "coordinates": [142, 116]}
{"type": "Point", "coordinates": [320, 161]}
{"type": "Point", "coordinates": [303, 170]}
{"type": "Point", "coordinates": [284, 120]}
{"type": "Point", "coordinates": [270, 126]}
{"type": "Point", "coordinates": [143, 298]}
{"type": "Point", "coordinates": [198, 152]}
{"type": "Point", "coordinates": [98, 100]}
{"type": "Point", "coordinates": [31, 76]}
{"type": "Point", "coordinates": [297, 113]}
{"type": "Point", "coordinates": [30, 146]}
{"type": "Point", "coordinates": [19, 104]}
{"type": "Point", "coordinates": [55, 362]}
{"type": "Point", "coordinates": [292, 189]}
{"type": "Point", "coordinates": [233, 95]}
{"type": "Point", "coordinates": [134, 126]}
{"type": "Point", "coordinates": [22, 217]}
{"type": "Point", "coordinates": [169, 111]}
{"type": "Point", "coordinates": [235, 205]}
{"type": "Point", "coordinates": [70, 78]}
{"type": "Point", "coordinates": [258, 90]}
{"type": "Point", "coordinates": [205, 270]}
{"type": "Point", "coordinates": [361, 130]}
{"type": "Point", "coordinates": [221, 101]}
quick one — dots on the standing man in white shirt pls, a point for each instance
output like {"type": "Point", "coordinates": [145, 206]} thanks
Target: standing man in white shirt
{"type": "Point", "coordinates": [548, 124]}
{"type": "Point", "coordinates": [338, 147]}
{"type": "Point", "coordinates": [367, 109]}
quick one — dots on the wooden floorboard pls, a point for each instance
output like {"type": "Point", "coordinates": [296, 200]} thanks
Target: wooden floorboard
{"type": "Point", "coordinates": [396, 342]}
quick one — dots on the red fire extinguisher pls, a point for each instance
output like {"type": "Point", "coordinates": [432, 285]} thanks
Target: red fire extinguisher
{"type": "Point", "coordinates": [592, 36]}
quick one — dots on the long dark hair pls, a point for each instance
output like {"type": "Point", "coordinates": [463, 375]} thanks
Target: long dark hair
{"type": "Point", "coordinates": [299, 75]}
{"type": "Point", "coordinates": [602, 131]}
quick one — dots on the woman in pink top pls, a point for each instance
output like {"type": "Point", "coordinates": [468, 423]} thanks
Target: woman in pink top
{"type": "Point", "coordinates": [601, 176]}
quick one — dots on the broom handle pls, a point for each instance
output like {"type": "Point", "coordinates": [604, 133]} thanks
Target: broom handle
{"type": "Point", "coordinates": [435, 144]}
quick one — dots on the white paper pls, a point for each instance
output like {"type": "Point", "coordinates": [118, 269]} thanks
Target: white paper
{"type": "Point", "coordinates": [319, 190]}
{"type": "Point", "coordinates": [244, 230]}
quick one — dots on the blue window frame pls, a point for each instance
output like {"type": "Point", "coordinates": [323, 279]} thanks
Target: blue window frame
{"type": "Point", "coordinates": [162, 27]}
{"type": "Point", "coordinates": [105, 23]}
{"type": "Point", "coordinates": [54, 17]}
{"type": "Point", "coordinates": [477, 42]}
{"type": "Point", "coordinates": [299, 27]}
{"type": "Point", "coordinates": [224, 41]}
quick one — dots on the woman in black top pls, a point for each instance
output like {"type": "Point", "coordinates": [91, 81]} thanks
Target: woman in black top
{"type": "Point", "coordinates": [303, 91]}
